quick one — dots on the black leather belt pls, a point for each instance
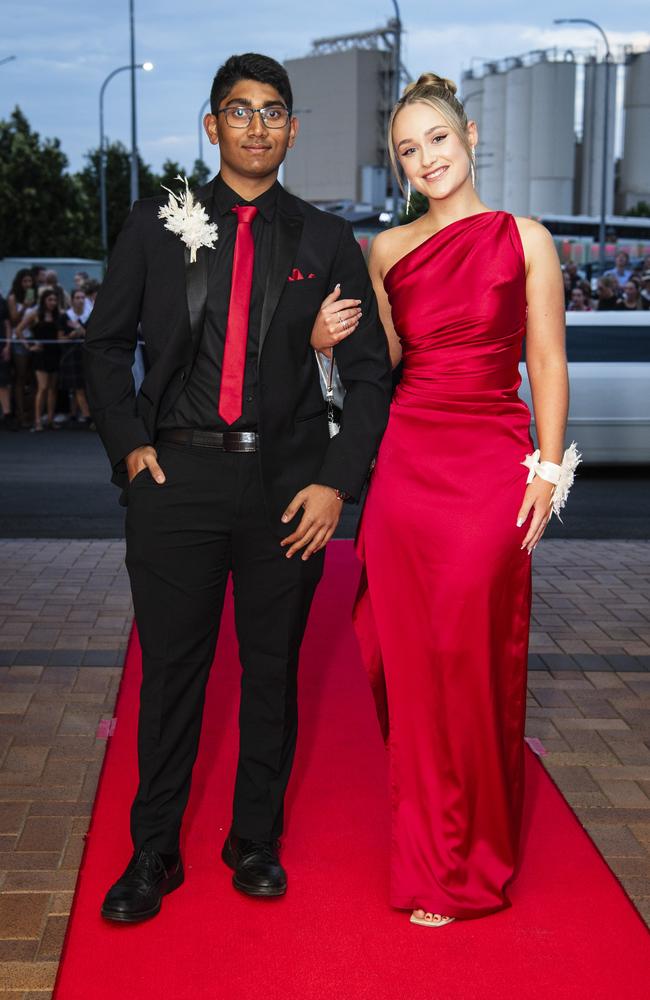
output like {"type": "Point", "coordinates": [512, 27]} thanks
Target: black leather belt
{"type": "Point", "coordinates": [242, 441]}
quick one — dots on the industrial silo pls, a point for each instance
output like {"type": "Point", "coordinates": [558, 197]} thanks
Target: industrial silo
{"type": "Point", "coordinates": [552, 141]}
{"type": "Point", "coordinates": [516, 172]}
{"type": "Point", "coordinates": [472, 100]}
{"type": "Point", "coordinates": [592, 137]}
{"type": "Point", "coordinates": [635, 169]}
{"type": "Point", "coordinates": [471, 96]}
{"type": "Point", "coordinates": [491, 135]}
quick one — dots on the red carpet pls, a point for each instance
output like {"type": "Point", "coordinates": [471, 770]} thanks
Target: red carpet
{"type": "Point", "coordinates": [571, 932]}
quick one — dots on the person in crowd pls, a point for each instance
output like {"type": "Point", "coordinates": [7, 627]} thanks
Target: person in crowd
{"type": "Point", "coordinates": [52, 281]}
{"type": "Point", "coordinates": [642, 266]}
{"type": "Point", "coordinates": [575, 275]}
{"type": "Point", "coordinates": [79, 280]}
{"type": "Point", "coordinates": [607, 293]}
{"type": "Point", "coordinates": [644, 293]}
{"type": "Point", "coordinates": [631, 298]}
{"type": "Point", "coordinates": [44, 324]}
{"type": "Point", "coordinates": [621, 270]}
{"type": "Point", "coordinates": [568, 287]}
{"type": "Point", "coordinates": [588, 293]}
{"type": "Point", "coordinates": [6, 420]}
{"type": "Point", "coordinates": [71, 377]}
{"type": "Point", "coordinates": [91, 288]}
{"type": "Point", "coordinates": [20, 300]}
{"type": "Point", "coordinates": [579, 301]}
{"type": "Point", "coordinates": [38, 274]}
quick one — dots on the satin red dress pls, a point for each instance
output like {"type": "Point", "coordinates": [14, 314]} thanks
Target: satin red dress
{"type": "Point", "coordinates": [443, 609]}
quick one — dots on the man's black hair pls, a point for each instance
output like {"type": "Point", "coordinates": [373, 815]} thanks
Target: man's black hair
{"type": "Point", "coordinates": [250, 66]}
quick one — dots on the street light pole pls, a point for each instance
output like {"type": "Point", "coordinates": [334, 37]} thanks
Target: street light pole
{"type": "Point", "coordinates": [397, 54]}
{"type": "Point", "coordinates": [204, 107]}
{"type": "Point", "coordinates": [103, 214]}
{"type": "Point", "coordinates": [134, 142]}
{"type": "Point", "coordinates": [602, 229]}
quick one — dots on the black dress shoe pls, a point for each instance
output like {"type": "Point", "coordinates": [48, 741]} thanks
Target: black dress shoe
{"type": "Point", "coordinates": [256, 865]}
{"type": "Point", "coordinates": [138, 894]}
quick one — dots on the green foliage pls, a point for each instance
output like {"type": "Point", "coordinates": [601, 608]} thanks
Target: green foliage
{"type": "Point", "coordinates": [46, 211]}
{"type": "Point", "coordinates": [171, 170]}
{"type": "Point", "coordinates": [40, 211]}
{"type": "Point", "coordinates": [640, 210]}
{"type": "Point", "coordinates": [118, 192]}
{"type": "Point", "coordinates": [200, 173]}
{"type": "Point", "coordinates": [419, 205]}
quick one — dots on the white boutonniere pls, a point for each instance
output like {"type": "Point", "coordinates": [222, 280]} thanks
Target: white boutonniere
{"type": "Point", "coordinates": [187, 218]}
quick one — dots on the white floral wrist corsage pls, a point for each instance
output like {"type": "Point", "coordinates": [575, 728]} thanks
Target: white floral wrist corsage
{"type": "Point", "coordinates": [561, 476]}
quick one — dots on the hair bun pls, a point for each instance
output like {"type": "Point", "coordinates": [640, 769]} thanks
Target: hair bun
{"type": "Point", "coordinates": [431, 80]}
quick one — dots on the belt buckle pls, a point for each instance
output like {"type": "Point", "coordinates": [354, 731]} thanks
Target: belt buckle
{"type": "Point", "coordinates": [238, 441]}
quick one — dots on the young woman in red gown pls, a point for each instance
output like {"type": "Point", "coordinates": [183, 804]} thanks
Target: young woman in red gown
{"type": "Point", "coordinates": [449, 524]}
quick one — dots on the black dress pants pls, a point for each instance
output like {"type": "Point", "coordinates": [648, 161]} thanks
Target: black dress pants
{"type": "Point", "coordinates": [184, 538]}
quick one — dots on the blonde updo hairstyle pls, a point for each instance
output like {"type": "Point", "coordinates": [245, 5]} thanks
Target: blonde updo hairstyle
{"type": "Point", "coordinates": [440, 94]}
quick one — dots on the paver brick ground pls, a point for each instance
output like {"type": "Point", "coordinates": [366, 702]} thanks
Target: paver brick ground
{"type": "Point", "coordinates": [65, 616]}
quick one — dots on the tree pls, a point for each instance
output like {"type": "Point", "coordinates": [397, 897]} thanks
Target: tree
{"type": "Point", "coordinates": [419, 205]}
{"type": "Point", "coordinates": [640, 210]}
{"type": "Point", "coordinates": [171, 170]}
{"type": "Point", "coordinates": [200, 173]}
{"type": "Point", "coordinates": [45, 211]}
{"type": "Point", "coordinates": [118, 191]}
{"type": "Point", "coordinates": [118, 188]}
{"type": "Point", "coordinates": [40, 211]}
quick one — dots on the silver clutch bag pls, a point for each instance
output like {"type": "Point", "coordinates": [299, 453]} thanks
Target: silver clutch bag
{"type": "Point", "coordinates": [333, 390]}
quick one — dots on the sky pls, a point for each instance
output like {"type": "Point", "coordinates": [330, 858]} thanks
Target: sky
{"type": "Point", "coordinates": [66, 48]}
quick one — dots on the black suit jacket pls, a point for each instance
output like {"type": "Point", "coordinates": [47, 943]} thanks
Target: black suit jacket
{"type": "Point", "coordinates": [151, 284]}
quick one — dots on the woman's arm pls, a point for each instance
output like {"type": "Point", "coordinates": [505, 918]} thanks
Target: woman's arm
{"type": "Point", "coordinates": [377, 269]}
{"type": "Point", "coordinates": [6, 335]}
{"type": "Point", "coordinates": [67, 330]}
{"type": "Point", "coordinates": [546, 341]}
{"type": "Point", "coordinates": [26, 322]}
{"type": "Point", "coordinates": [15, 312]}
{"type": "Point", "coordinates": [547, 366]}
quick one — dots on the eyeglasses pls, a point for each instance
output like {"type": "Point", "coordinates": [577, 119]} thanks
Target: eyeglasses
{"type": "Point", "coordinates": [241, 117]}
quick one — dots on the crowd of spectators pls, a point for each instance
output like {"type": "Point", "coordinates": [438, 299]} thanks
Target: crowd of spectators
{"type": "Point", "coordinates": [621, 288]}
{"type": "Point", "coordinates": [42, 327]}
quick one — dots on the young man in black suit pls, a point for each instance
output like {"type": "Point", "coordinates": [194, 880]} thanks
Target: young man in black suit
{"type": "Point", "coordinates": [226, 465]}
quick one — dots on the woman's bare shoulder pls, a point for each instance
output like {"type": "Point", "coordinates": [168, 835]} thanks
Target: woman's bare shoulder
{"type": "Point", "coordinates": [389, 245]}
{"type": "Point", "coordinates": [536, 240]}
{"type": "Point", "coordinates": [533, 232]}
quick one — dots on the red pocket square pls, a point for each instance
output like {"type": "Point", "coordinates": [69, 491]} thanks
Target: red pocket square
{"type": "Point", "coordinates": [296, 275]}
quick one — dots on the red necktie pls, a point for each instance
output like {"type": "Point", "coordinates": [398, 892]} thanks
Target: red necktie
{"type": "Point", "coordinates": [234, 355]}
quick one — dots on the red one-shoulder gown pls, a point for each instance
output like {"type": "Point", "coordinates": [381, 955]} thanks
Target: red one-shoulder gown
{"type": "Point", "coordinates": [443, 609]}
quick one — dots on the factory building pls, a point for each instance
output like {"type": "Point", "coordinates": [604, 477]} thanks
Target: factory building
{"type": "Point", "coordinates": [635, 167]}
{"type": "Point", "coordinates": [343, 100]}
{"type": "Point", "coordinates": [593, 122]}
{"type": "Point", "coordinates": [532, 160]}
{"type": "Point", "coordinates": [525, 117]}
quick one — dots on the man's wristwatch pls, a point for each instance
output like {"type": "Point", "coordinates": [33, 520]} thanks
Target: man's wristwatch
{"type": "Point", "coordinates": [342, 495]}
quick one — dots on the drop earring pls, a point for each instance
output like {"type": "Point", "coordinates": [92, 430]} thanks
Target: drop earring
{"type": "Point", "coordinates": [472, 167]}
{"type": "Point", "coordinates": [408, 197]}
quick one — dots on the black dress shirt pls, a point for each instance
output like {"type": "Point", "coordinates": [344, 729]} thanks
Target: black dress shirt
{"type": "Point", "coordinates": [198, 405]}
